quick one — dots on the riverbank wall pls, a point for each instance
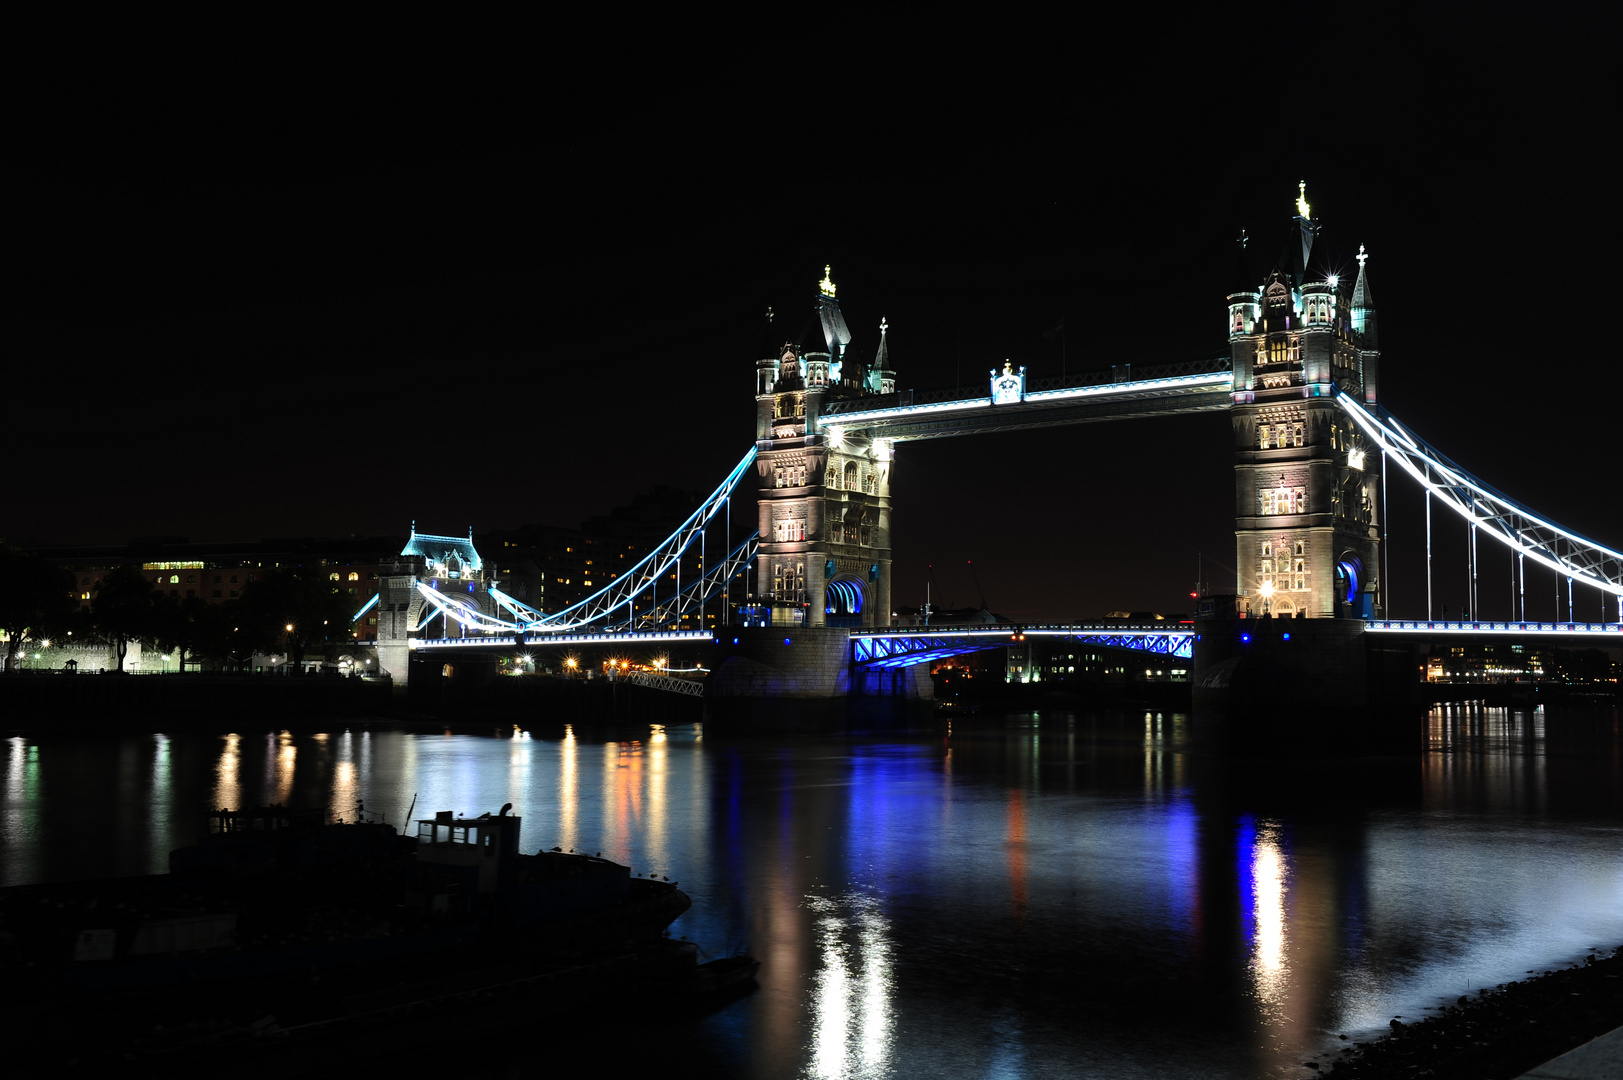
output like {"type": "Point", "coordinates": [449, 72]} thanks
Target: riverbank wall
{"type": "Point", "coordinates": [30, 701]}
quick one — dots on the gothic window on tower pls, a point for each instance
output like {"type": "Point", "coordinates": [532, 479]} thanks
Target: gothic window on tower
{"type": "Point", "coordinates": [834, 474]}
{"type": "Point", "coordinates": [1296, 434]}
{"type": "Point", "coordinates": [1269, 502]}
{"type": "Point", "coordinates": [1262, 436]}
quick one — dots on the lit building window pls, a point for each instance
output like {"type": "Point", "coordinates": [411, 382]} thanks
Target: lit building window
{"type": "Point", "coordinates": [1262, 436]}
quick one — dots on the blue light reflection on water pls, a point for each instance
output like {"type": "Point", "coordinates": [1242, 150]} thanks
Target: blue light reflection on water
{"type": "Point", "coordinates": [1074, 895]}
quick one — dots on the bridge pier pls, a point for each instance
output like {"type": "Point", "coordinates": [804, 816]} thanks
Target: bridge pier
{"type": "Point", "coordinates": [1302, 687]}
{"type": "Point", "coordinates": [772, 680]}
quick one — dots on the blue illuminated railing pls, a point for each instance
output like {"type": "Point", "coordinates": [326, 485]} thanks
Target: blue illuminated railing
{"type": "Point", "coordinates": [905, 648]}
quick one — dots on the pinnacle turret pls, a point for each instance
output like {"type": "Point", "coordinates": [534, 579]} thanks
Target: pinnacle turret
{"type": "Point", "coordinates": [1363, 304]}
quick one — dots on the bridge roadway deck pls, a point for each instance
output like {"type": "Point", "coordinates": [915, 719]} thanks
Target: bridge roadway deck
{"type": "Point", "coordinates": [536, 640]}
{"type": "Point", "coordinates": [1598, 632]}
{"type": "Point", "coordinates": [891, 648]}
{"type": "Point", "coordinates": [899, 647]}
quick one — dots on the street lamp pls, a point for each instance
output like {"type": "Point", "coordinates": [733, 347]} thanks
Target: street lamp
{"type": "Point", "coordinates": [1267, 596]}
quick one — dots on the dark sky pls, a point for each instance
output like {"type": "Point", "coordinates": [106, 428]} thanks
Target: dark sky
{"type": "Point", "coordinates": [333, 305]}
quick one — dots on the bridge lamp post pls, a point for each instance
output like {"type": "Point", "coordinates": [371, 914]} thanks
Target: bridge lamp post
{"type": "Point", "coordinates": [1267, 596]}
{"type": "Point", "coordinates": [570, 664]}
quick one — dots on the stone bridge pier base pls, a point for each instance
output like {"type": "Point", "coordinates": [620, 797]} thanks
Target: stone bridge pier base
{"type": "Point", "coordinates": [1301, 687]}
{"type": "Point", "coordinates": [772, 679]}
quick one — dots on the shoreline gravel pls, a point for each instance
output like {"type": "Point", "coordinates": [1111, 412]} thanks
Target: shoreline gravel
{"type": "Point", "coordinates": [1496, 1034]}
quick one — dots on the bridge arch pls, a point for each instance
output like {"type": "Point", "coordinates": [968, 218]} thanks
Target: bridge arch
{"type": "Point", "coordinates": [846, 600]}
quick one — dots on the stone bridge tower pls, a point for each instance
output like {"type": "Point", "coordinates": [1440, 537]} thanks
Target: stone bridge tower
{"type": "Point", "coordinates": [448, 564]}
{"type": "Point", "coordinates": [823, 494]}
{"type": "Point", "coordinates": [1307, 490]}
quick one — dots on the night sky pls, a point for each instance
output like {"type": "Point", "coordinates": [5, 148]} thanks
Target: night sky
{"type": "Point", "coordinates": [332, 306]}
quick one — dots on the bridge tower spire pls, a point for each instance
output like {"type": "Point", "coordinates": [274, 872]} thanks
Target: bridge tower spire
{"type": "Point", "coordinates": [823, 494]}
{"type": "Point", "coordinates": [1306, 525]}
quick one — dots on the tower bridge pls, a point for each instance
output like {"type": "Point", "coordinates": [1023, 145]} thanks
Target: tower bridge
{"type": "Point", "coordinates": [1311, 448]}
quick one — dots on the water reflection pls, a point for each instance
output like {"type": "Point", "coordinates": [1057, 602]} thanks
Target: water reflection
{"type": "Point", "coordinates": [159, 835]}
{"type": "Point", "coordinates": [852, 1011]}
{"type": "Point", "coordinates": [1264, 872]}
{"type": "Point", "coordinates": [228, 775]}
{"type": "Point", "coordinates": [568, 789]}
{"type": "Point", "coordinates": [1081, 895]}
{"type": "Point", "coordinates": [19, 813]}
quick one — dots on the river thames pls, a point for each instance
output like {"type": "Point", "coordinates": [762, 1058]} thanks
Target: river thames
{"type": "Point", "coordinates": [1043, 894]}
